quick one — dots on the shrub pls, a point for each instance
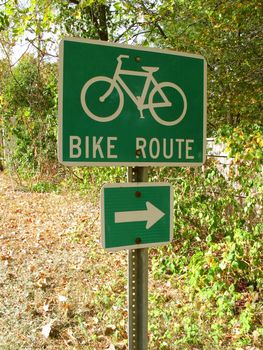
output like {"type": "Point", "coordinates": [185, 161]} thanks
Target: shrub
{"type": "Point", "coordinates": [29, 109]}
{"type": "Point", "coordinates": [217, 243]}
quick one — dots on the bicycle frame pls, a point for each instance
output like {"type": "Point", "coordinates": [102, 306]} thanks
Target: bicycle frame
{"type": "Point", "coordinates": [139, 101]}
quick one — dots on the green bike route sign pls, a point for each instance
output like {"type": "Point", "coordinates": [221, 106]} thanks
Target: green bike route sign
{"type": "Point", "coordinates": [129, 105]}
{"type": "Point", "coordinates": [136, 215]}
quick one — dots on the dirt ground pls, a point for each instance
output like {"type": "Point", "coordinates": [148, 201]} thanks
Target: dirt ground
{"type": "Point", "coordinates": [54, 275]}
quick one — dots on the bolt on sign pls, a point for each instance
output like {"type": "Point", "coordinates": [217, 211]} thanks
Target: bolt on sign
{"type": "Point", "coordinates": [136, 215]}
{"type": "Point", "coordinates": [132, 106]}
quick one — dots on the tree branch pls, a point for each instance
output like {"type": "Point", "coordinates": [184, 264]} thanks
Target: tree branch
{"type": "Point", "coordinates": [161, 30]}
{"type": "Point", "coordinates": [43, 53]}
{"type": "Point", "coordinates": [11, 71]}
{"type": "Point", "coordinates": [155, 22]}
{"type": "Point", "coordinates": [123, 33]}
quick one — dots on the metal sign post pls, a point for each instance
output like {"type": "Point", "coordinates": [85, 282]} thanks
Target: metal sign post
{"type": "Point", "coordinates": [138, 299]}
{"type": "Point", "coordinates": [138, 283]}
{"type": "Point", "coordinates": [125, 224]}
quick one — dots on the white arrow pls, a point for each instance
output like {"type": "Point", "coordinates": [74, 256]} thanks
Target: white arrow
{"type": "Point", "coordinates": [151, 215]}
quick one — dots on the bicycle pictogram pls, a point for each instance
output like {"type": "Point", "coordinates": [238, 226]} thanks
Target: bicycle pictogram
{"type": "Point", "coordinates": [115, 86]}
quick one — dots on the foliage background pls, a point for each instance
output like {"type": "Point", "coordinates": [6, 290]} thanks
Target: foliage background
{"type": "Point", "coordinates": [215, 258]}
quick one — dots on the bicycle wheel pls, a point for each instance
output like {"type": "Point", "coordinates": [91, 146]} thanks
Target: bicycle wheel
{"type": "Point", "coordinates": [175, 108]}
{"type": "Point", "coordinates": [101, 99]}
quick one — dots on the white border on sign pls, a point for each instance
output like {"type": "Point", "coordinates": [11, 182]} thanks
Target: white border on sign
{"type": "Point", "coordinates": [132, 47]}
{"type": "Point", "coordinates": [60, 102]}
{"type": "Point", "coordinates": [134, 184]}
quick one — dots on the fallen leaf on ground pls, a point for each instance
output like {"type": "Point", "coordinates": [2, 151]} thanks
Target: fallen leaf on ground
{"type": "Point", "coordinates": [110, 329]}
{"type": "Point", "coordinates": [46, 330]}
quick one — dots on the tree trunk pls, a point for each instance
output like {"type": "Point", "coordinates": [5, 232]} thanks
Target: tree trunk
{"type": "Point", "coordinates": [98, 14]}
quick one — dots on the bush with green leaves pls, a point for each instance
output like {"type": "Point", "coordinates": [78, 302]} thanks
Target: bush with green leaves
{"type": "Point", "coordinates": [29, 110]}
{"type": "Point", "coordinates": [217, 247]}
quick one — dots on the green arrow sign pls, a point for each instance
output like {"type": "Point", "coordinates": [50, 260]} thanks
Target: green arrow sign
{"type": "Point", "coordinates": [136, 215]}
{"type": "Point", "coordinates": [128, 105]}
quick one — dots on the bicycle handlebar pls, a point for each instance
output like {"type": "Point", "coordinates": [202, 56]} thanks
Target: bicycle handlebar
{"type": "Point", "coordinates": [122, 56]}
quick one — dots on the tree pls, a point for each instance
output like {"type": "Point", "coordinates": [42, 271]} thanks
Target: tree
{"type": "Point", "coordinates": [226, 33]}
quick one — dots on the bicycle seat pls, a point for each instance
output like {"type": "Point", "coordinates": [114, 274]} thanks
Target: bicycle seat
{"type": "Point", "coordinates": [150, 69]}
